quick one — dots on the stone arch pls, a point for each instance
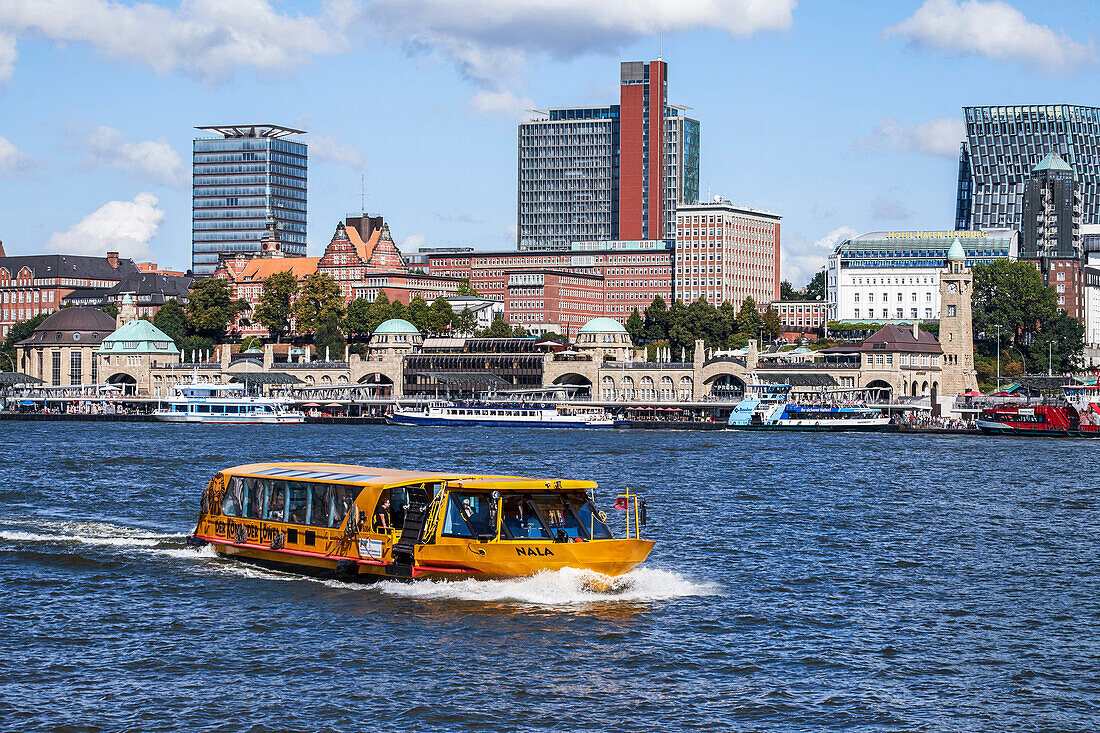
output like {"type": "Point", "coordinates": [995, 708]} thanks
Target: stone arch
{"type": "Point", "coordinates": [627, 387]}
{"type": "Point", "coordinates": [309, 380]}
{"type": "Point", "coordinates": [342, 379]}
{"type": "Point", "coordinates": [880, 390]}
{"type": "Point", "coordinates": [572, 379]}
{"type": "Point", "coordinates": [607, 388]}
{"type": "Point", "coordinates": [725, 384]}
{"type": "Point", "coordinates": [916, 389]}
{"type": "Point", "coordinates": [646, 389]}
{"type": "Point", "coordinates": [124, 380]}
{"type": "Point", "coordinates": [383, 384]}
{"type": "Point", "coordinates": [687, 387]}
{"type": "Point", "coordinates": [924, 389]}
{"type": "Point", "coordinates": [326, 379]}
{"type": "Point", "coordinates": [667, 391]}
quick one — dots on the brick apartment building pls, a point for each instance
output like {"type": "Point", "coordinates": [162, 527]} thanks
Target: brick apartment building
{"type": "Point", "coordinates": [34, 284]}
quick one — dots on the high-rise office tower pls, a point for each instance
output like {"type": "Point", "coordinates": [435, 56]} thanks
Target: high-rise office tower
{"type": "Point", "coordinates": [1051, 231]}
{"type": "Point", "coordinates": [608, 172]}
{"type": "Point", "coordinates": [1003, 145]}
{"type": "Point", "coordinates": [248, 175]}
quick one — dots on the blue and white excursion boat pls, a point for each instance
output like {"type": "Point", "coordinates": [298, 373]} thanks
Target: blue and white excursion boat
{"type": "Point", "coordinates": [211, 402]}
{"type": "Point", "coordinates": [769, 407]}
{"type": "Point", "coordinates": [502, 414]}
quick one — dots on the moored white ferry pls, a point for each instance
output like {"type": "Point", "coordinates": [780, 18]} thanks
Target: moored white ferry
{"type": "Point", "coordinates": [768, 407]}
{"type": "Point", "coordinates": [211, 402]}
{"type": "Point", "coordinates": [502, 414]}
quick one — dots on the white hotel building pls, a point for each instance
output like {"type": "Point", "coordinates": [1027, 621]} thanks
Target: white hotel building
{"type": "Point", "coordinates": [895, 276]}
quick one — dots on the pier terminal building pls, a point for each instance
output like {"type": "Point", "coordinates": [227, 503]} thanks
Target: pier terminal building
{"type": "Point", "coordinates": [602, 364]}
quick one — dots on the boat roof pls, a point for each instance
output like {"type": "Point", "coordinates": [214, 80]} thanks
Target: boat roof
{"type": "Point", "coordinates": [370, 476]}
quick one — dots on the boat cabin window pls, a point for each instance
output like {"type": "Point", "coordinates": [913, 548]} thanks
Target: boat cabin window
{"type": "Point", "coordinates": [589, 518]}
{"type": "Point", "coordinates": [276, 502]}
{"type": "Point", "coordinates": [294, 502]}
{"type": "Point", "coordinates": [470, 515]}
{"type": "Point", "coordinates": [559, 515]}
{"type": "Point", "coordinates": [297, 502]}
{"type": "Point", "coordinates": [234, 501]}
{"type": "Point", "coordinates": [257, 498]}
{"type": "Point", "coordinates": [520, 521]}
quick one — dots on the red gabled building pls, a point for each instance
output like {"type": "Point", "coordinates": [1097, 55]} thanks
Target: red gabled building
{"type": "Point", "coordinates": [365, 261]}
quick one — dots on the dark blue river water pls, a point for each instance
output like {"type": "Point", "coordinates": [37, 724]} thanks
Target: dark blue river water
{"type": "Point", "coordinates": [800, 582]}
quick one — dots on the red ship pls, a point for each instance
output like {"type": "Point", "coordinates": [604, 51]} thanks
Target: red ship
{"type": "Point", "coordinates": [1076, 415]}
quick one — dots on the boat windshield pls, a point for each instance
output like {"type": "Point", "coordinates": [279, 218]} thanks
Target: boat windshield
{"type": "Point", "coordinates": [470, 515]}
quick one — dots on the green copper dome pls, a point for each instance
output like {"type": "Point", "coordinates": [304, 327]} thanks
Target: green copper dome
{"type": "Point", "coordinates": [603, 325]}
{"type": "Point", "coordinates": [956, 252]}
{"type": "Point", "coordinates": [397, 326]}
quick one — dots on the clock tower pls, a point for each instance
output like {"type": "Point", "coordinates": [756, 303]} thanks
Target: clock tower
{"type": "Point", "coordinates": [956, 325]}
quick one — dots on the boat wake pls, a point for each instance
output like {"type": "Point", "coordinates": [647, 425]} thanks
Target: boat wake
{"type": "Point", "coordinates": [566, 587]}
{"type": "Point", "coordinates": [20, 533]}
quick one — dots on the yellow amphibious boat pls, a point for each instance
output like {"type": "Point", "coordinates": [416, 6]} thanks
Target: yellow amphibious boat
{"type": "Point", "coordinates": [354, 522]}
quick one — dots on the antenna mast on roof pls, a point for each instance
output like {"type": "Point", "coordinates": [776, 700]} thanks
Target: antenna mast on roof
{"type": "Point", "coordinates": [661, 44]}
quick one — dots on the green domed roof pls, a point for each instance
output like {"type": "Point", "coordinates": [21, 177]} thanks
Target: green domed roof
{"type": "Point", "coordinates": [603, 325]}
{"type": "Point", "coordinates": [397, 325]}
{"type": "Point", "coordinates": [956, 252]}
{"type": "Point", "coordinates": [138, 337]}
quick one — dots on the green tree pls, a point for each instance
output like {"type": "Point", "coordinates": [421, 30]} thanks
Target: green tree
{"type": "Point", "coordinates": [195, 347]}
{"type": "Point", "coordinates": [773, 325]}
{"type": "Point", "coordinates": [109, 308]}
{"type": "Point", "coordinates": [465, 322]}
{"type": "Point", "coordinates": [703, 322]}
{"type": "Point", "coordinates": [172, 319]}
{"type": "Point", "coordinates": [464, 288]}
{"type": "Point", "coordinates": [1011, 295]}
{"type": "Point", "coordinates": [519, 331]}
{"type": "Point", "coordinates": [499, 328]}
{"type": "Point", "coordinates": [211, 308]}
{"type": "Point", "coordinates": [656, 320]}
{"type": "Point", "coordinates": [635, 326]}
{"type": "Point", "coordinates": [275, 307]}
{"type": "Point", "coordinates": [815, 290]}
{"type": "Point", "coordinates": [250, 342]}
{"type": "Point", "coordinates": [20, 330]}
{"type": "Point", "coordinates": [328, 336]}
{"type": "Point", "coordinates": [319, 296]}
{"type": "Point", "coordinates": [418, 314]}
{"type": "Point", "coordinates": [748, 320]}
{"type": "Point", "coordinates": [728, 313]}
{"type": "Point", "coordinates": [1059, 344]}
{"type": "Point", "coordinates": [361, 319]}
{"type": "Point", "coordinates": [787, 291]}
{"type": "Point", "coordinates": [440, 316]}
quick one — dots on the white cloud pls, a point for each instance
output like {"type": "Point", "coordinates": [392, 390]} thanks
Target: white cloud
{"type": "Point", "coordinates": [207, 38]}
{"type": "Point", "coordinates": [125, 227]}
{"type": "Point", "coordinates": [503, 103]}
{"type": "Point", "coordinates": [887, 208]}
{"type": "Point", "coordinates": [994, 29]}
{"type": "Point", "coordinates": [489, 39]}
{"type": "Point", "coordinates": [800, 260]}
{"type": "Point", "coordinates": [14, 163]}
{"type": "Point", "coordinates": [8, 55]}
{"type": "Point", "coordinates": [153, 160]}
{"type": "Point", "coordinates": [326, 147]}
{"type": "Point", "coordinates": [413, 242]}
{"type": "Point", "coordinates": [940, 137]}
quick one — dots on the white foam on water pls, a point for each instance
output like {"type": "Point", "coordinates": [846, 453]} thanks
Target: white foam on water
{"type": "Point", "coordinates": [26, 537]}
{"type": "Point", "coordinates": [565, 587]}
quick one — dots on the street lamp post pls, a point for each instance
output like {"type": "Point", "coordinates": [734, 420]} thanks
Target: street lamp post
{"type": "Point", "coordinates": [998, 358]}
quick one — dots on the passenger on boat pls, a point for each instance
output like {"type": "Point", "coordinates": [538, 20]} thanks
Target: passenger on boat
{"type": "Point", "coordinates": [382, 515]}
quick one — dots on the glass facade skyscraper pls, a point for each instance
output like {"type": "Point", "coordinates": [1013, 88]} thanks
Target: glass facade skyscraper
{"type": "Point", "coordinates": [1004, 144]}
{"type": "Point", "coordinates": [586, 173]}
{"type": "Point", "coordinates": [248, 175]}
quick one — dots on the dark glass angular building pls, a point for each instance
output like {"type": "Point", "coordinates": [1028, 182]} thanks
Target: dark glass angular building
{"type": "Point", "coordinates": [240, 180]}
{"type": "Point", "coordinates": [1004, 144]}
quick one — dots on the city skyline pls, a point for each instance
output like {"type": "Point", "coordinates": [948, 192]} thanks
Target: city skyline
{"type": "Point", "coordinates": [842, 120]}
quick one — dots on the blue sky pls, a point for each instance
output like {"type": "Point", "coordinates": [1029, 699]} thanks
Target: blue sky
{"type": "Point", "coordinates": [844, 117]}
